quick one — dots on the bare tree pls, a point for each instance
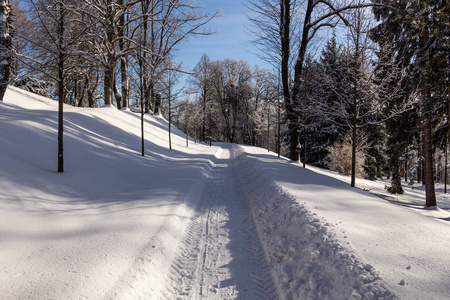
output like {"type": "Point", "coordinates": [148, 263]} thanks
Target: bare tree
{"type": "Point", "coordinates": [111, 41]}
{"type": "Point", "coordinates": [231, 80]}
{"type": "Point", "coordinates": [201, 84]}
{"type": "Point", "coordinates": [166, 24]}
{"type": "Point", "coordinates": [170, 91]}
{"type": "Point", "coordinates": [57, 24]}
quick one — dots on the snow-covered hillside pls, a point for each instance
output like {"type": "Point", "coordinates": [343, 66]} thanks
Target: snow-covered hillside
{"type": "Point", "coordinates": [197, 222]}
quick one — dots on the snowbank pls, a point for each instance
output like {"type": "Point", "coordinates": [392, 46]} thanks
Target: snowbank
{"type": "Point", "coordinates": [307, 260]}
{"type": "Point", "coordinates": [325, 238]}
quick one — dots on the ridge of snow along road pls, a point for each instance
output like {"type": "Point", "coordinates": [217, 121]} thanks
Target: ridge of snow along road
{"type": "Point", "coordinates": [327, 240]}
{"type": "Point", "coordinates": [306, 259]}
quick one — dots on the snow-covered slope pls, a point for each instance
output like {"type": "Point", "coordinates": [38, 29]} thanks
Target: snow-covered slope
{"type": "Point", "coordinates": [221, 222]}
{"type": "Point", "coordinates": [326, 232]}
{"type": "Point", "coordinates": [111, 216]}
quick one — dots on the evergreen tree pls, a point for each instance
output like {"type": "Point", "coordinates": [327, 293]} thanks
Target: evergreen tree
{"type": "Point", "coordinates": [429, 29]}
{"type": "Point", "coordinates": [323, 84]}
{"type": "Point", "coordinates": [393, 63]}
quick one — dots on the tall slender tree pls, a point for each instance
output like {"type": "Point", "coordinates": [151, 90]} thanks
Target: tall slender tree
{"type": "Point", "coordinates": [55, 21]}
{"type": "Point", "coordinates": [201, 83]}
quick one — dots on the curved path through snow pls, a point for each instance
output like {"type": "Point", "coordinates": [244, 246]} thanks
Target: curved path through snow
{"type": "Point", "coordinates": [221, 256]}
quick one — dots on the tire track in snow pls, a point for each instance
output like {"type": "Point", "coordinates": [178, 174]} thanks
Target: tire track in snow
{"type": "Point", "coordinates": [221, 256]}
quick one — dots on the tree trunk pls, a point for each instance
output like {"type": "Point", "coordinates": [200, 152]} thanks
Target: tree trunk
{"type": "Point", "coordinates": [279, 123]}
{"type": "Point", "coordinates": [419, 154]}
{"type": "Point", "coordinates": [125, 79]}
{"type": "Point", "coordinates": [144, 61]}
{"type": "Point", "coordinates": [142, 121]}
{"type": "Point", "coordinates": [298, 69]}
{"type": "Point", "coordinates": [203, 136]}
{"type": "Point", "coordinates": [170, 116]}
{"type": "Point", "coordinates": [109, 81]}
{"type": "Point", "coordinates": [406, 169]}
{"type": "Point", "coordinates": [354, 142]}
{"type": "Point", "coordinates": [109, 73]}
{"type": "Point", "coordinates": [186, 128]}
{"type": "Point", "coordinates": [446, 146]}
{"type": "Point", "coordinates": [445, 164]}
{"type": "Point", "coordinates": [304, 147]}
{"type": "Point", "coordinates": [428, 165]}
{"type": "Point", "coordinates": [6, 45]}
{"type": "Point", "coordinates": [430, 194]}
{"type": "Point", "coordinates": [285, 21]}
{"type": "Point", "coordinates": [268, 130]}
{"type": "Point", "coordinates": [117, 95]}
{"type": "Point", "coordinates": [61, 58]}
{"type": "Point", "coordinates": [125, 82]}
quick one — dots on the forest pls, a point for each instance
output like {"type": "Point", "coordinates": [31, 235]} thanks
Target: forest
{"type": "Point", "coordinates": [372, 102]}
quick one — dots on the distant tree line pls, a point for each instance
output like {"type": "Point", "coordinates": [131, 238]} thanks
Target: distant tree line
{"type": "Point", "coordinates": [234, 102]}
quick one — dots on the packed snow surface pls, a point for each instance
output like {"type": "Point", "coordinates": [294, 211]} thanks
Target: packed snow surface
{"type": "Point", "coordinates": [197, 222]}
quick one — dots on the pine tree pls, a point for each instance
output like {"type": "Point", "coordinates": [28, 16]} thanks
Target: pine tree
{"type": "Point", "coordinates": [322, 87]}
{"type": "Point", "coordinates": [393, 63]}
{"type": "Point", "coordinates": [429, 29]}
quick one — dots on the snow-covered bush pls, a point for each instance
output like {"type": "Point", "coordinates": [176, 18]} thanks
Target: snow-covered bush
{"type": "Point", "coordinates": [339, 158]}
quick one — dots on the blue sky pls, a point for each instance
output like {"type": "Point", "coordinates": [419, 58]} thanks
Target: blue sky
{"type": "Point", "coordinates": [231, 39]}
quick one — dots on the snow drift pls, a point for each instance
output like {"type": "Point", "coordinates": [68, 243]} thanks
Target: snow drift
{"type": "Point", "coordinates": [308, 262]}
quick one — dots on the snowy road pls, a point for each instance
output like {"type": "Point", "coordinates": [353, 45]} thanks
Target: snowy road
{"type": "Point", "coordinates": [221, 256]}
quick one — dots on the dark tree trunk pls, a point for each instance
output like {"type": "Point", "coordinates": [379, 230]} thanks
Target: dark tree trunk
{"type": "Point", "coordinates": [125, 82]}
{"type": "Point", "coordinates": [203, 136]}
{"type": "Point", "coordinates": [298, 69]}
{"type": "Point", "coordinates": [117, 94]}
{"type": "Point", "coordinates": [110, 67]}
{"type": "Point", "coordinates": [5, 48]}
{"type": "Point", "coordinates": [279, 123]}
{"type": "Point", "coordinates": [428, 164]}
{"type": "Point", "coordinates": [141, 93]}
{"type": "Point", "coordinates": [406, 169]}
{"type": "Point", "coordinates": [170, 119]}
{"type": "Point", "coordinates": [304, 147]}
{"type": "Point", "coordinates": [61, 58]}
{"type": "Point", "coordinates": [446, 164]}
{"type": "Point", "coordinates": [157, 104]}
{"type": "Point", "coordinates": [354, 141]}
{"type": "Point", "coordinates": [446, 147]}
{"type": "Point", "coordinates": [109, 80]}
{"type": "Point", "coordinates": [430, 194]}
{"type": "Point", "coordinates": [420, 154]}
{"type": "Point", "coordinates": [123, 61]}
{"type": "Point", "coordinates": [187, 128]}
{"type": "Point", "coordinates": [143, 62]}
{"type": "Point", "coordinates": [285, 25]}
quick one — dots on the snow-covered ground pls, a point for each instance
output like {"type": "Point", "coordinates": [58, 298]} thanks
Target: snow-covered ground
{"type": "Point", "coordinates": [197, 222]}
